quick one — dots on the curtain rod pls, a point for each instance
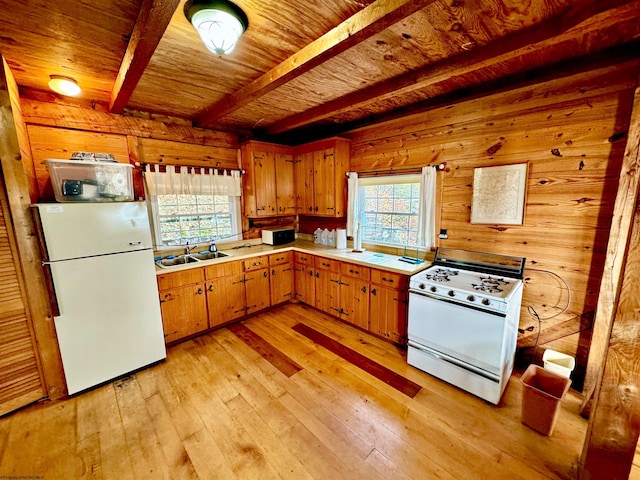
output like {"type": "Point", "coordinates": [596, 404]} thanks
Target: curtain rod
{"type": "Point", "coordinates": [440, 166]}
{"type": "Point", "coordinates": [164, 165]}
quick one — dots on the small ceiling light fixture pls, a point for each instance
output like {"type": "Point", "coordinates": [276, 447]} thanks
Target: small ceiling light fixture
{"type": "Point", "coordinates": [218, 22]}
{"type": "Point", "coordinates": [64, 85]}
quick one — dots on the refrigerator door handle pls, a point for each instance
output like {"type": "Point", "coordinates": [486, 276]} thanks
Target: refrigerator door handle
{"type": "Point", "coordinates": [53, 299]}
{"type": "Point", "coordinates": [133, 244]}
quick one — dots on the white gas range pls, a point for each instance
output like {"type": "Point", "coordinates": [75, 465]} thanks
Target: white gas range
{"type": "Point", "coordinates": [464, 312]}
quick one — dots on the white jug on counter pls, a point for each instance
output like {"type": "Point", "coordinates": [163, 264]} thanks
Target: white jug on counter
{"type": "Point", "coordinates": [341, 238]}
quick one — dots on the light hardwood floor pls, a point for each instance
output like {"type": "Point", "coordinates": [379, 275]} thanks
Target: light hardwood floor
{"type": "Point", "coordinates": [217, 409]}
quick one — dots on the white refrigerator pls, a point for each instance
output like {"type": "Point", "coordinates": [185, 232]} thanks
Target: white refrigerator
{"type": "Point", "coordinates": [100, 259]}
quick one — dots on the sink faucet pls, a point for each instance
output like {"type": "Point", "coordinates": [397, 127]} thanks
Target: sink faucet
{"type": "Point", "coordinates": [187, 249]}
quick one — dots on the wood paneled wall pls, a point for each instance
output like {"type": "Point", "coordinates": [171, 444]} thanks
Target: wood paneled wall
{"type": "Point", "coordinates": [571, 130]}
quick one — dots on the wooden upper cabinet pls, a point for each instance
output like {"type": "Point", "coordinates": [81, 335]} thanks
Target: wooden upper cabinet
{"type": "Point", "coordinates": [264, 169]}
{"type": "Point", "coordinates": [284, 174]}
{"type": "Point", "coordinates": [268, 180]}
{"type": "Point", "coordinates": [303, 167]}
{"type": "Point", "coordinates": [321, 180]}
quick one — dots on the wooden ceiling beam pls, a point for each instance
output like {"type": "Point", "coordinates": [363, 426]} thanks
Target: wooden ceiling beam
{"type": "Point", "coordinates": [366, 23]}
{"type": "Point", "coordinates": [153, 19]}
{"type": "Point", "coordinates": [497, 53]}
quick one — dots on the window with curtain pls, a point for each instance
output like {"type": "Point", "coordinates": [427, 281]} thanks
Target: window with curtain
{"type": "Point", "coordinates": [389, 209]}
{"type": "Point", "coordinates": [393, 210]}
{"type": "Point", "coordinates": [193, 205]}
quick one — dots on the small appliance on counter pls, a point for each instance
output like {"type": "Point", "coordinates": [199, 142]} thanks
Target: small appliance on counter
{"type": "Point", "coordinates": [278, 236]}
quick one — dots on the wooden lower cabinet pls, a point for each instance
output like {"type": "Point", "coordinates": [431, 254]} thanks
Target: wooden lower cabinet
{"type": "Point", "coordinates": [281, 283]}
{"type": "Point", "coordinates": [304, 283]}
{"type": "Point", "coordinates": [354, 301]}
{"type": "Point", "coordinates": [198, 299]}
{"type": "Point", "coordinates": [388, 305]}
{"type": "Point", "coordinates": [257, 292]}
{"type": "Point", "coordinates": [184, 311]}
{"type": "Point", "coordinates": [225, 299]}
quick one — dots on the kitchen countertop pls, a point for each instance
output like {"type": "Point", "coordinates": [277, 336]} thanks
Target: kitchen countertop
{"type": "Point", "coordinates": [382, 261]}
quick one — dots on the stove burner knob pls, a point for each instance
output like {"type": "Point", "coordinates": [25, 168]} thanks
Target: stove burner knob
{"type": "Point", "coordinates": [485, 301]}
{"type": "Point", "coordinates": [433, 289]}
{"type": "Point", "coordinates": [451, 293]}
{"type": "Point", "coordinates": [471, 298]}
{"type": "Point", "coordinates": [422, 286]}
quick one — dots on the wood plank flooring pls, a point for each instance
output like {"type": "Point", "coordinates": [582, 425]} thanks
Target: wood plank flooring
{"type": "Point", "coordinates": [218, 408]}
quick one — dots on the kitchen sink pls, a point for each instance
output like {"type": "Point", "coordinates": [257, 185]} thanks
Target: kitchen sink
{"type": "Point", "coordinates": [178, 260]}
{"type": "Point", "coordinates": [206, 255]}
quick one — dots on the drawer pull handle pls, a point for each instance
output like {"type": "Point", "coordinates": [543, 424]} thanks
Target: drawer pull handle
{"type": "Point", "coordinates": [385, 279]}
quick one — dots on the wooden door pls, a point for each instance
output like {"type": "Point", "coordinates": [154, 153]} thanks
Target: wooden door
{"type": "Point", "coordinates": [303, 177]}
{"type": "Point", "coordinates": [264, 171]}
{"type": "Point", "coordinates": [20, 375]}
{"type": "Point", "coordinates": [184, 311]}
{"type": "Point", "coordinates": [281, 283]}
{"type": "Point", "coordinates": [285, 187]}
{"type": "Point", "coordinates": [388, 310]}
{"type": "Point", "coordinates": [354, 301]}
{"type": "Point", "coordinates": [257, 292]}
{"type": "Point", "coordinates": [324, 173]}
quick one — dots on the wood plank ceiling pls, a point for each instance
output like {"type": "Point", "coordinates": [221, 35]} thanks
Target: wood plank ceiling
{"type": "Point", "coordinates": [304, 68]}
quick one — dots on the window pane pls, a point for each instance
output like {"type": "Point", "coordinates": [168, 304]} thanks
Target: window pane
{"type": "Point", "coordinates": [390, 213]}
{"type": "Point", "coordinates": [194, 218]}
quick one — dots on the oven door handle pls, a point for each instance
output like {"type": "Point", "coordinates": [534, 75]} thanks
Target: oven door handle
{"type": "Point", "coordinates": [465, 305]}
{"type": "Point", "coordinates": [453, 361]}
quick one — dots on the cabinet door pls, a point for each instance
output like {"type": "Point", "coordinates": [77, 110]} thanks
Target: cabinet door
{"type": "Point", "coordinates": [389, 313]}
{"type": "Point", "coordinates": [184, 311]}
{"type": "Point", "coordinates": [264, 170]}
{"type": "Point", "coordinates": [257, 290]}
{"type": "Point", "coordinates": [354, 301]}
{"type": "Point", "coordinates": [281, 283]}
{"type": "Point", "coordinates": [284, 175]}
{"type": "Point", "coordinates": [225, 299]}
{"type": "Point", "coordinates": [305, 289]}
{"type": "Point", "coordinates": [303, 173]}
{"type": "Point", "coordinates": [324, 173]}
{"type": "Point", "coordinates": [328, 291]}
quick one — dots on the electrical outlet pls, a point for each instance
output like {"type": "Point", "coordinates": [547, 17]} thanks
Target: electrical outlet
{"type": "Point", "coordinates": [443, 234]}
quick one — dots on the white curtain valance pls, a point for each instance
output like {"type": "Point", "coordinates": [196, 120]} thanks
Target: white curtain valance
{"type": "Point", "coordinates": [185, 181]}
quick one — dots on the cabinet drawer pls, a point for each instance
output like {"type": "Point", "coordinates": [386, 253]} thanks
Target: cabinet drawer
{"type": "Point", "coordinates": [256, 263]}
{"type": "Point", "coordinates": [279, 258]}
{"type": "Point", "coordinates": [357, 271]}
{"type": "Point", "coordinates": [389, 279]}
{"type": "Point", "coordinates": [303, 258]}
{"type": "Point", "coordinates": [328, 264]}
{"type": "Point", "coordinates": [223, 269]}
{"type": "Point", "coordinates": [178, 279]}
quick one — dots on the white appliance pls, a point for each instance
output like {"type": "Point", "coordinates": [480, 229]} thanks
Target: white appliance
{"type": "Point", "coordinates": [464, 313]}
{"type": "Point", "coordinates": [100, 260]}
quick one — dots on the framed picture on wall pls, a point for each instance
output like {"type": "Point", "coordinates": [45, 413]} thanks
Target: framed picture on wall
{"type": "Point", "coordinates": [499, 194]}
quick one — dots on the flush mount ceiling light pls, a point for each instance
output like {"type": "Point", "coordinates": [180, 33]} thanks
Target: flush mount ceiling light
{"type": "Point", "coordinates": [64, 85]}
{"type": "Point", "coordinates": [218, 22]}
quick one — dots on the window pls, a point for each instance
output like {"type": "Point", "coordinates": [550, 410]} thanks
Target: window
{"type": "Point", "coordinates": [182, 218]}
{"type": "Point", "coordinates": [191, 205]}
{"type": "Point", "coordinates": [389, 209]}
